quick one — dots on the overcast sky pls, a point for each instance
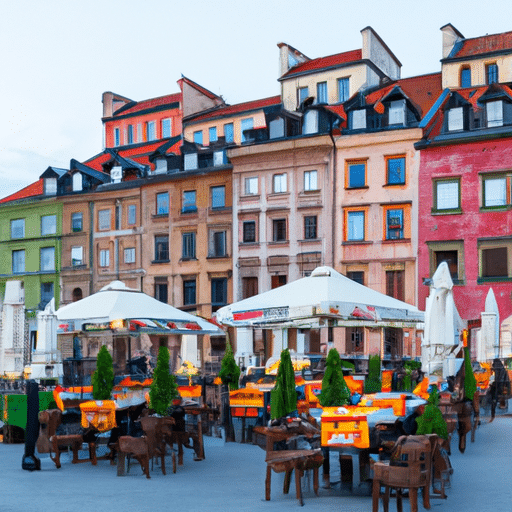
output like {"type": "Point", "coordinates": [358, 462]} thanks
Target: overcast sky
{"type": "Point", "coordinates": [58, 57]}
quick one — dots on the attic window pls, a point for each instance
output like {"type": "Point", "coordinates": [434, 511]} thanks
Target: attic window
{"type": "Point", "coordinates": [276, 127]}
{"type": "Point", "coordinates": [397, 112]}
{"type": "Point", "coordinates": [455, 119]}
{"type": "Point", "coordinates": [50, 186]}
{"type": "Point", "coordinates": [190, 161]}
{"type": "Point", "coordinates": [358, 119]}
{"type": "Point", "coordinates": [494, 111]}
{"type": "Point", "coordinates": [77, 182]}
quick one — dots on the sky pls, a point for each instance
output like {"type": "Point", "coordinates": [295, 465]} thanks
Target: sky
{"type": "Point", "coordinates": [58, 57]}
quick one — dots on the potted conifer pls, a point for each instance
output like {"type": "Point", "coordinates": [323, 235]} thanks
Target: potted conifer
{"type": "Point", "coordinates": [283, 397]}
{"type": "Point", "coordinates": [373, 383]}
{"type": "Point", "coordinates": [103, 378]}
{"type": "Point", "coordinates": [335, 391]}
{"type": "Point", "coordinates": [163, 388]}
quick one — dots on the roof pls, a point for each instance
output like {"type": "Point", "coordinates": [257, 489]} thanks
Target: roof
{"type": "Point", "coordinates": [239, 108]}
{"type": "Point", "coordinates": [325, 63]}
{"type": "Point", "coordinates": [421, 90]}
{"type": "Point", "coordinates": [171, 146]}
{"type": "Point", "coordinates": [482, 45]}
{"type": "Point", "coordinates": [33, 190]}
{"type": "Point", "coordinates": [94, 173]}
{"type": "Point", "coordinates": [52, 171]}
{"type": "Point", "coordinates": [152, 103]}
{"type": "Point", "coordinates": [198, 87]}
{"type": "Point", "coordinates": [126, 162]}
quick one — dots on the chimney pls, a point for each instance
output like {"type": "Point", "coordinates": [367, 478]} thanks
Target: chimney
{"type": "Point", "coordinates": [451, 36]}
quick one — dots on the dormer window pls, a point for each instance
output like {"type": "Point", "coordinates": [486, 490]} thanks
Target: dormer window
{"type": "Point", "coordinates": [190, 161]}
{"type": "Point", "coordinates": [397, 112]}
{"type": "Point", "coordinates": [77, 182]}
{"type": "Point", "coordinates": [303, 94]}
{"type": "Point", "coordinates": [358, 119]}
{"type": "Point", "coordinates": [310, 122]}
{"type": "Point", "coordinates": [494, 112]}
{"type": "Point", "coordinates": [465, 77]}
{"type": "Point", "coordinates": [455, 119]}
{"type": "Point", "coordinates": [276, 128]}
{"type": "Point", "coordinates": [50, 186]}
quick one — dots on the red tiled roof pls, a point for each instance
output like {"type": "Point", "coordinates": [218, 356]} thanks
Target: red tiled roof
{"type": "Point", "coordinates": [239, 108]}
{"type": "Point", "coordinates": [337, 109]}
{"type": "Point", "coordinates": [325, 62]}
{"type": "Point", "coordinates": [148, 104]}
{"type": "Point", "coordinates": [484, 44]}
{"type": "Point", "coordinates": [422, 90]}
{"type": "Point", "coordinates": [35, 189]}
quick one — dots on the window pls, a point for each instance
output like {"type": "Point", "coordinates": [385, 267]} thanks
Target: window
{"type": "Point", "coordinates": [189, 292]}
{"type": "Point", "coordinates": [151, 130]}
{"type": "Point", "coordinates": [118, 214]}
{"type": "Point", "coordinates": [77, 256]}
{"type": "Point", "coordinates": [129, 255]}
{"type": "Point", "coordinates": [395, 284]}
{"type": "Point", "coordinates": [161, 290]}
{"type": "Point", "coordinates": [246, 124]}
{"type": "Point", "coordinates": [447, 195]}
{"type": "Point", "coordinates": [104, 220]}
{"type": "Point", "coordinates": [219, 293]}
{"type": "Point", "coordinates": [358, 118]}
{"type": "Point", "coordinates": [279, 183]}
{"type": "Point", "coordinates": [491, 73]}
{"type": "Point", "coordinates": [395, 167]}
{"type": "Point", "coordinates": [50, 186]}
{"type": "Point", "coordinates": [251, 185]}
{"type": "Point", "coordinates": [494, 262]}
{"type": "Point", "coordinates": [496, 191]}
{"type": "Point", "coordinates": [190, 161]}
{"type": "Point", "coordinates": [310, 123]}
{"type": "Point", "coordinates": [218, 196]}
{"type": "Point", "coordinates": [303, 94]}
{"type": "Point", "coordinates": [47, 262]}
{"type": "Point", "coordinates": [77, 294]}
{"type": "Point", "coordinates": [494, 111]}
{"type": "Point", "coordinates": [77, 182]}
{"type": "Point", "coordinates": [162, 203]}
{"type": "Point", "coordinates": [18, 228]}
{"type": "Point", "coordinates": [229, 133]}
{"type": "Point", "coordinates": [249, 287]}
{"type": "Point", "coordinates": [451, 257]}
{"type": "Point", "coordinates": [279, 230]}
{"type": "Point", "coordinates": [465, 77]}
{"type": "Point", "coordinates": [276, 128]}
{"type": "Point", "coordinates": [132, 214]}
{"type": "Point", "coordinates": [198, 137]}
{"type": "Point", "coordinates": [166, 128]}
{"type": "Point", "coordinates": [140, 133]}
{"type": "Point", "coordinates": [189, 201]}
{"type": "Point", "coordinates": [321, 92]}
{"type": "Point", "coordinates": [356, 174]}
{"type": "Point", "coordinates": [104, 258]}
{"type": "Point", "coordinates": [397, 112]}
{"type": "Point", "coordinates": [162, 248]}
{"type": "Point", "coordinates": [18, 261]}
{"type": "Point", "coordinates": [117, 137]}
{"type": "Point", "coordinates": [455, 119]}
{"type": "Point", "coordinates": [356, 275]}
{"type": "Point", "coordinates": [310, 223]}
{"type": "Point", "coordinates": [220, 158]}
{"type": "Point", "coordinates": [310, 180]}
{"type": "Point", "coordinates": [217, 244]}
{"type": "Point", "coordinates": [48, 225]}
{"type": "Point", "coordinates": [212, 134]}
{"type": "Point", "coordinates": [343, 89]}
{"type": "Point", "coordinates": [46, 294]}
{"type": "Point", "coordinates": [249, 232]}
{"type": "Point", "coordinates": [277, 281]}
{"type": "Point", "coordinates": [188, 245]}
{"type": "Point", "coordinates": [394, 223]}
{"type": "Point", "coordinates": [355, 225]}
{"type": "Point", "coordinates": [130, 134]}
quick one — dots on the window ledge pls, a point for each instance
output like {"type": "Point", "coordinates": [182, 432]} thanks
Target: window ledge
{"type": "Point", "coordinates": [357, 188]}
{"type": "Point", "coordinates": [309, 240]}
{"type": "Point", "coordinates": [218, 211]}
{"type": "Point", "coordinates": [395, 240]}
{"type": "Point", "coordinates": [357, 242]}
{"type": "Point", "coordinates": [386, 185]}
{"type": "Point", "coordinates": [446, 212]}
{"type": "Point", "coordinates": [250, 197]}
{"type": "Point", "coordinates": [313, 192]}
{"type": "Point", "coordinates": [249, 244]}
{"type": "Point", "coordinates": [189, 212]}
{"type": "Point", "coordinates": [501, 208]}
{"type": "Point", "coordinates": [279, 242]}
{"type": "Point", "coordinates": [188, 259]}
{"type": "Point", "coordinates": [160, 216]}
{"type": "Point", "coordinates": [156, 262]}
{"type": "Point", "coordinates": [504, 279]}
{"type": "Point", "coordinates": [225, 256]}
{"type": "Point", "coordinates": [276, 195]}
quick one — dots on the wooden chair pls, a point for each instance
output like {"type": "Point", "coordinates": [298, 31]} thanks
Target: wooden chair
{"type": "Point", "coordinates": [51, 442]}
{"type": "Point", "coordinates": [410, 468]}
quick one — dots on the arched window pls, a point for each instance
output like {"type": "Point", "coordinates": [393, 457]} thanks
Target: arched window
{"type": "Point", "coordinates": [77, 294]}
{"type": "Point", "coordinates": [465, 77]}
{"type": "Point", "coordinates": [77, 182]}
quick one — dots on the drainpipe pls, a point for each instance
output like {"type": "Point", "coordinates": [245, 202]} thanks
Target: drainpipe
{"type": "Point", "coordinates": [334, 181]}
{"type": "Point", "coordinates": [91, 246]}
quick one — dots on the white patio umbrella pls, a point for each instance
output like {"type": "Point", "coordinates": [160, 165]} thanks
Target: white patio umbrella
{"type": "Point", "coordinates": [324, 294]}
{"type": "Point", "coordinates": [122, 308]}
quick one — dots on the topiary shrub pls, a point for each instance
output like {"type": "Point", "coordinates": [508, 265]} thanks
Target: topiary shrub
{"type": "Point", "coordinates": [229, 371]}
{"type": "Point", "coordinates": [103, 378]}
{"type": "Point", "coordinates": [432, 421]}
{"type": "Point", "coordinates": [373, 383]}
{"type": "Point", "coordinates": [335, 391]}
{"type": "Point", "coordinates": [283, 398]}
{"type": "Point", "coordinates": [163, 388]}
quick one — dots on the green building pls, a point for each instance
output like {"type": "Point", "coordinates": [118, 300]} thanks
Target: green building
{"type": "Point", "coordinates": [30, 245]}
